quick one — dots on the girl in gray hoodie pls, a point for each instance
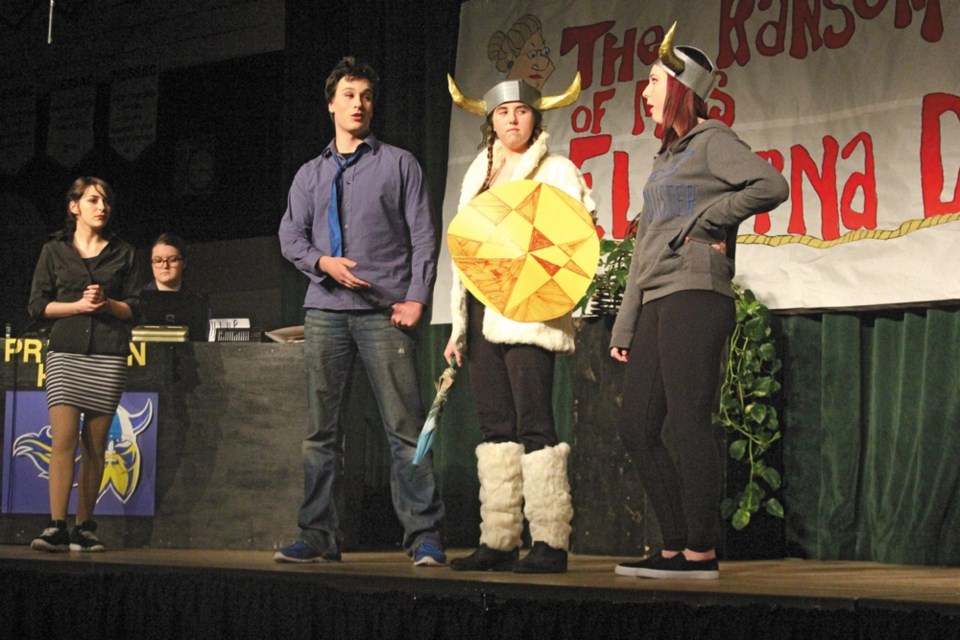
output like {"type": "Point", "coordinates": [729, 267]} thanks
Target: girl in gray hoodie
{"type": "Point", "coordinates": [678, 311]}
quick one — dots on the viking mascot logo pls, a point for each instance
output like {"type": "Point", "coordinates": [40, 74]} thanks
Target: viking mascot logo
{"type": "Point", "coordinates": [121, 473]}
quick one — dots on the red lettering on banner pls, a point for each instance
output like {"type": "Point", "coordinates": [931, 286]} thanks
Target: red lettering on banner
{"type": "Point", "coordinates": [824, 182]}
{"type": "Point", "coordinates": [932, 171]}
{"type": "Point", "coordinates": [729, 112]}
{"type": "Point", "coordinates": [761, 221]}
{"type": "Point", "coordinates": [777, 27]}
{"type": "Point", "coordinates": [621, 193]}
{"type": "Point", "coordinates": [809, 28]}
{"type": "Point", "coordinates": [865, 182]}
{"type": "Point", "coordinates": [617, 62]}
{"type": "Point", "coordinates": [612, 53]}
{"type": "Point", "coordinates": [582, 118]}
{"type": "Point", "coordinates": [584, 38]}
{"type": "Point", "coordinates": [648, 49]}
{"type": "Point", "coordinates": [734, 23]}
{"type": "Point", "coordinates": [582, 149]}
{"type": "Point", "coordinates": [836, 39]}
{"type": "Point", "coordinates": [931, 29]}
{"type": "Point", "coordinates": [805, 19]}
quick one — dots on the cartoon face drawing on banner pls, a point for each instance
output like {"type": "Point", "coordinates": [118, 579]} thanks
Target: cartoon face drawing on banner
{"type": "Point", "coordinates": [521, 52]}
{"type": "Point", "coordinates": [122, 469]}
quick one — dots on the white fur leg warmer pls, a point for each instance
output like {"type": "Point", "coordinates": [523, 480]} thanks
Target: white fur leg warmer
{"type": "Point", "coordinates": [546, 493]}
{"type": "Point", "coordinates": [501, 492]}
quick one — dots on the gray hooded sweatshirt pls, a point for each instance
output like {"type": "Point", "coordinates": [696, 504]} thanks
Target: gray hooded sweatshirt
{"type": "Point", "coordinates": [701, 189]}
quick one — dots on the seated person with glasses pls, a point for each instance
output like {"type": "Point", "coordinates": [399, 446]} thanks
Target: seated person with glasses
{"type": "Point", "coordinates": [164, 299]}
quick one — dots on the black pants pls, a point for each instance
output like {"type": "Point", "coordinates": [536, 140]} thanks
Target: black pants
{"type": "Point", "coordinates": [512, 387]}
{"type": "Point", "coordinates": [670, 392]}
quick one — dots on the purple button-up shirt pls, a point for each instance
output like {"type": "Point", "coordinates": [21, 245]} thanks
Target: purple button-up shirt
{"type": "Point", "coordinates": [388, 228]}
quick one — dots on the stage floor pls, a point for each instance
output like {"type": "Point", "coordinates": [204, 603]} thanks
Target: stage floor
{"type": "Point", "coordinates": [799, 584]}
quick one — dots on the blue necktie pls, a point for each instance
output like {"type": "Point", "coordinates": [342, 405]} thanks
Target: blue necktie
{"type": "Point", "coordinates": [333, 210]}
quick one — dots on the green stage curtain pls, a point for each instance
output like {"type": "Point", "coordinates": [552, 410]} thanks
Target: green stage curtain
{"type": "Point", "coordinates": [872, 435]}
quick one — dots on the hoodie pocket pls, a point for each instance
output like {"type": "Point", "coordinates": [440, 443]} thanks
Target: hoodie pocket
{"type": "Point", "coordinates": [700, 257]}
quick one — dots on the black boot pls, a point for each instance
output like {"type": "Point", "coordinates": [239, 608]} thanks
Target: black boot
{"type": "Point", "coordinates": [486, 559]}
{"type": "Point", "coordinates": [542, 559]}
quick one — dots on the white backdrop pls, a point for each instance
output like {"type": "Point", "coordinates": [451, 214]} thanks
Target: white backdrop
{"type": "Point", "coordinates": [856, 101]}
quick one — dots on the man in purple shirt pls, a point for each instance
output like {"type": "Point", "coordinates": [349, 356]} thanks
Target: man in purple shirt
{"type": "Point", "coordinates": [359, 225]}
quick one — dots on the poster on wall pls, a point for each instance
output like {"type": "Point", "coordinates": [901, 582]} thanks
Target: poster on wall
{"type": "Point", "coordinates": [129, 477]}
{"type": "Point", "coordinates": [133, 110]}
{"type": "Point", "coordinates": [857, 104]}
{"type": "Point", "coordinates": [70, 133]}
{"type": "Point", "coordinates": [18, 118]}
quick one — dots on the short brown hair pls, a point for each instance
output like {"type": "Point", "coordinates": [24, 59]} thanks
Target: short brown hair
{"type": "Point", "coordinates": [349, 67]}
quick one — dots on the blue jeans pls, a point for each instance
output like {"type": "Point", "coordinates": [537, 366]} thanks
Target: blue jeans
{"type": "Point", "coordinates": [389, 356]}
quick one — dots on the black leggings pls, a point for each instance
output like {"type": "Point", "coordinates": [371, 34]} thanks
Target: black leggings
{"type": "Point", "coordinates": [512, 387]}
{"type": "Point", "coordinates": [670, 392]}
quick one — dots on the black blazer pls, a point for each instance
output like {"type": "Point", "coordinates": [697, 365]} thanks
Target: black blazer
{"type": "Point", "coordinates": [62, 275]}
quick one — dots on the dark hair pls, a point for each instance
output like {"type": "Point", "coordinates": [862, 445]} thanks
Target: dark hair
{"type": "Point", "coordinates": [75, 194]}
{"type": "Point", "coordinates": [682, 106]}
{"type": "Point", "coordinates": [172, 240]}
{"type": "Point", "coordinates": [349, 67]}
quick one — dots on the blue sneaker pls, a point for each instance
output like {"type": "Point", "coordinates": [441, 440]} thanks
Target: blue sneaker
{"type": "Point", "coordinates": [301, 552]}
{"type": "Point", "coordinates": [429, 554]}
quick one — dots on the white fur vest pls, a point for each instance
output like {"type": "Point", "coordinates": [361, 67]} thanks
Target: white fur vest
{"type": "Point", "coordinates": [536, 164]}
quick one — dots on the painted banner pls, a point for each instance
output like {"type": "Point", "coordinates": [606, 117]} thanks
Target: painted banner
{"type": "Point", "coordinates": [70, 132]}
{"type": "Point", "coordinates": [18, 117]}
{"type": "Point", "coordinates": [856, 102]}
{"type": "Point", "coordinates": [129, 477]}
{"type": "Point", "coordinates": [133, 110]}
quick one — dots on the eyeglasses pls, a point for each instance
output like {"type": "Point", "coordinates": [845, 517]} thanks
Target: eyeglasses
{"type": "Point", "coordinates": [168, 262]}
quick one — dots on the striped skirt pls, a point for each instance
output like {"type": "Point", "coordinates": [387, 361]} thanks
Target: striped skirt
{"type": "Point", "coordinates": [87, 381]}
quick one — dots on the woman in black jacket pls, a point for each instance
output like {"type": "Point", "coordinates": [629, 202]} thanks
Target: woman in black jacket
{"type": "Point", "coordinates": [86, 284]}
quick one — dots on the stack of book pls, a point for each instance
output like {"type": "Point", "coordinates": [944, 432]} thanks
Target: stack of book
{"type": "Point", "coordinates": [160, 333]}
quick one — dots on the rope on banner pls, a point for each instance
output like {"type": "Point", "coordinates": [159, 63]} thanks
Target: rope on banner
{"type": "Point", "coordinates": [904, 229]}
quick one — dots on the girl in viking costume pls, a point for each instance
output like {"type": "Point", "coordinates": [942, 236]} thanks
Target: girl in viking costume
{"type": "Point", "coordinates": [678, 310]}
{"type": "Point", "coordinates": [521, 461]}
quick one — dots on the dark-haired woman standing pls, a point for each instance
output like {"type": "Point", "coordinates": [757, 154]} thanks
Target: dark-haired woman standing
{"type": "Point", "coordinates": [678, 311]}
{"type": "Point", "coordinates": [86, 284]}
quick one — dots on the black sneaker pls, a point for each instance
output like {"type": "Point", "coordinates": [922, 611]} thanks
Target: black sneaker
{"type": "Point", "coordinates": [54, 538]}
{"type": "Point", "coordinates": [84, 538]}
{"type": "Point", "coordinates": [486, 559]}
{"type": "Point", "coordinates": [676, 567]}
{"type": "Point", "coordinates": [542, 559]}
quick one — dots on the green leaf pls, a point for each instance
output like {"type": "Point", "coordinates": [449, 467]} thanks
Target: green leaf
{"type": "Point", "coordinates": [755, 329]}
{"type": "Point", "coordinates": [740, 519]}
{"type": "Point", "coordinates": [772, 477]}
{"type": "Point", "coordinates": [727, 507]}
{"type": "Point", "coordinates": [774, 507]}
{"type": "Point", "coordinates": [757, 412]}
{"type": "Point", "coordinates": [737, 449]}
{"type": "Point", "coordinates": [763, 386]}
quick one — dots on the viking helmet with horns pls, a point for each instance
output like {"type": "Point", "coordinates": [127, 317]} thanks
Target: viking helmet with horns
{"type": "Point", "coordinates": [681, 66]}
{"type": "Point", "coordinates": [513, 91]}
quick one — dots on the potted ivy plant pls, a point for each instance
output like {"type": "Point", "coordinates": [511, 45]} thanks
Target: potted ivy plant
{"type": "Point", "coordinates": [605, 291]}
{"type": "Point", "coordinates": [746, 409]}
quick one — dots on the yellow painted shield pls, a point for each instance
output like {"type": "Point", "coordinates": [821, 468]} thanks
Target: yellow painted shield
{"type": "Point", "coordinates": [526, 249]}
